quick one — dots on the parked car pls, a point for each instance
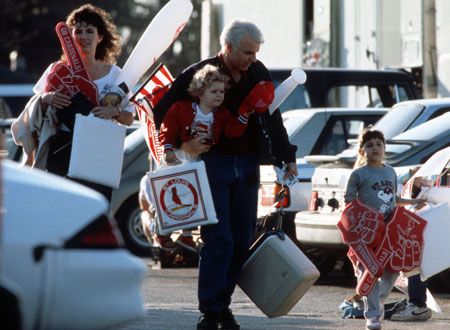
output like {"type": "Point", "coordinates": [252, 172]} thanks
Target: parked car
{"type": "Point", "coordinates": [63, 252]}
{"type": "Point", "coordinates": [342, 87]}
{"type": "Point", "coordinates": [124, 203]}
{"type": "Point", "coordinates": [433, 184]}
{"type": "Point", "coordinates": [432, 180]}
{"type": "Point", "coordinates": [13, 98]}
{"type": "Point", "coordinates": [316, 228]}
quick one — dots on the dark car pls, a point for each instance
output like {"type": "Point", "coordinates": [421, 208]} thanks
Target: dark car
{"type": "Point", "coordinates": [333, 87]}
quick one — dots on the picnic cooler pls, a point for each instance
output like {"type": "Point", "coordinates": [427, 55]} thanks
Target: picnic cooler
{"type": "Point", "coordinates": [436, 251]}
{"type": "Point", "coordinates": [97, 150]}
{"type": "Point", "coordinates": [182, 197]}
{"type": "Point", "coordinates": [277, 274]}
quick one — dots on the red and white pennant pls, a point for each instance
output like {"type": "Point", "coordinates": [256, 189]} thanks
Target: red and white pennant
{"type": "Point", "coordinates": [146, 98]}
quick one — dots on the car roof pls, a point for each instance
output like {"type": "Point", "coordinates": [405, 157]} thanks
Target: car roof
{"type": "Point", "coordinates": [350, 76]}
{"type": "Point", "coordinates": [427, 131]}
{"type": "Point", "coordinates": [313, 111]}
{"type": "Point", "coordinates": [427, 102]}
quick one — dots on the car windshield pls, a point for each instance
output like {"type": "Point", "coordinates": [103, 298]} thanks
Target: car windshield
{"type": "Point", "coordinates": [293, 123]}
{"type": "Point", "coordinates": [398, 119]}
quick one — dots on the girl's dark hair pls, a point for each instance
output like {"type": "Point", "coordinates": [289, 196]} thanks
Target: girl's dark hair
{"type": "Point", "coordinates": [368, 134]}
{"type": "Point", "coordinates": [108, 50]}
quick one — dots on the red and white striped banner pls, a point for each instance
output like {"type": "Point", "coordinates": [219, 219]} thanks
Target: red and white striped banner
{"type": "Point", "coordinates": [146, 98]}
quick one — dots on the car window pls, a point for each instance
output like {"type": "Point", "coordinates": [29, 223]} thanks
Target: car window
{"type": "Point", "coordinates": [366, 96]}
{"type": "Point", "coordinates": [13, 98]}
{"type": "Point", "coordinates": [341, 132]}
{"type": "Point", "coordinates": [298, 99]}
{"type": "Point", "coordinates": [439, 112]}
{"type": "Point", "coordinates": [398, 119]}
{"type": "Point", "coordinates": [335, 141]}
{"type": "Point", "coordinates": [13, 151]}
{"type": "Point", "coordinates": [337, 133]}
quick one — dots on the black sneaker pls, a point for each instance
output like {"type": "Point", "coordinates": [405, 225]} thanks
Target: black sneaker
{"type": "Point", "coordinates": [207, 321]}
{"type": "Point", "coordinates": [227, 320]}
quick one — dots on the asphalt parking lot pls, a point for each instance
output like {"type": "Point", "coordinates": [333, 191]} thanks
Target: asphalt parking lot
{"type": "Point", "coordinates": [170, 302]}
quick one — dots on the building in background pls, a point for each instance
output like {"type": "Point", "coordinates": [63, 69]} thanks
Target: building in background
{"type": "Point", "coordinates": [409, 34]}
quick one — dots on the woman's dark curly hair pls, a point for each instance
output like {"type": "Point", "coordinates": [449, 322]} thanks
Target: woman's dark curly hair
{"type": "Point", "coordinates": [108, 50]}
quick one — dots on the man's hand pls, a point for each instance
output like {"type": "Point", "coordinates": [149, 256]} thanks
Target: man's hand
{"type": "Point", "coordinates": [291, 170]}
{"type": "Point", "coordinates": [195, 146]}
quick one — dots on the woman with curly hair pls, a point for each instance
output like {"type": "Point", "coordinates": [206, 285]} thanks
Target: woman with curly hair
{"type": "Point", "coordinates": [99, 46]}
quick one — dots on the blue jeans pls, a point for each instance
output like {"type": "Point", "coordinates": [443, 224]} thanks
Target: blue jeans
{"type": "Point", "coordinates": [379, 292]}
{"type": "Point", "coordinates": [417, 291]}
{"type": "Point", "coordinates": [234, 183]}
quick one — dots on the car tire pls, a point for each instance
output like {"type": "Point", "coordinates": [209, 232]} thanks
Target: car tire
{"type": "Point", "coordinates": [129, 219]}
{"type": "Point", "coordinates": [347, 267]}
{"type": "Point", "coordinates": [324, 261]}
{"type": "Point", "coordinates": [11, 315]}
{"type": "Point", "coordinates": [444, 276]}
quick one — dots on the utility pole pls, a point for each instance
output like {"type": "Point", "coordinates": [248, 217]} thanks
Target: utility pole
{"type": "Point", "coordinates": [429, 54]}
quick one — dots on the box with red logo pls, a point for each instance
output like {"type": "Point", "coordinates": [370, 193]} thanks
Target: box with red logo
{"type": "Point", "coordinates": [182, 197]}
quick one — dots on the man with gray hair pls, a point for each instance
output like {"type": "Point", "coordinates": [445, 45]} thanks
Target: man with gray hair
{"type": "Point", "coordinates": [232, 166]}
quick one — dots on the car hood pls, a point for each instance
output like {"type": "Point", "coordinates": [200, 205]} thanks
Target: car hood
{"type": "Point", "coordinates": [44, 208]}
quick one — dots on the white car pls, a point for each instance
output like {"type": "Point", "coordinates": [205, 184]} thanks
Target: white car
{"type": "Point", "coordinates": [65, 255]}
{"type": "Point", "coordinates": [432, 181]}
{"type": "Point", "coordinates": [316, 228]}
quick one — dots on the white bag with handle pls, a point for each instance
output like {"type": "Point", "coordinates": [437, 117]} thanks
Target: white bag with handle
{"type": "Point", "coordinates": [97, 150]}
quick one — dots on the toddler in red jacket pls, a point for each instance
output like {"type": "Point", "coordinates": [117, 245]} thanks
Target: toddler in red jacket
{"type": "Point", "coordinates": [205, 117]}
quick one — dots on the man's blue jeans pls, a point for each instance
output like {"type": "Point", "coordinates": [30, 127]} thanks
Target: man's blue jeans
{"type": "Point", "coordinates": [234, 182]}
{"type": "Point", "coordinates": [417, 291]}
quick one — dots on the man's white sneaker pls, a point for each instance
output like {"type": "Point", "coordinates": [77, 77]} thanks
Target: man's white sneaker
{"type": "Point", "coordinates": [412, 313]}
{"type": "Point", "coordinates": [373, 323]}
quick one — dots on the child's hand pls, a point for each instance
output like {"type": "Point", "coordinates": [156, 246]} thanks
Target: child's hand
{"type": "Point", "coordinates": [170, 158]}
